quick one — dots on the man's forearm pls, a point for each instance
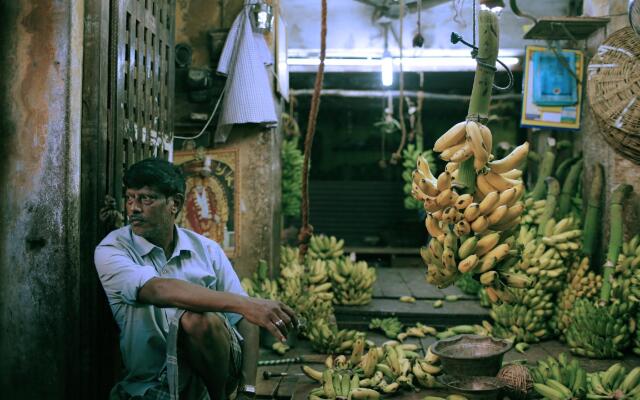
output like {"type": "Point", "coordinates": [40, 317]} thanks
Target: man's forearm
{"type": "Point", "coordinates": [167, 292]}
{"type": "Point", "coordinates": [250, 351]}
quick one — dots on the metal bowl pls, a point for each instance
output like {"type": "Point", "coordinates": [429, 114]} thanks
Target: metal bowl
{"type": "Point", "coordinates": [474, 387]}
{"type": "Point", "coordinates": [471, 355]}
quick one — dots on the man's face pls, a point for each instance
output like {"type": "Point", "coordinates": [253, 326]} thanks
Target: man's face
{"type": "Point", "coordinates": [151, 214]}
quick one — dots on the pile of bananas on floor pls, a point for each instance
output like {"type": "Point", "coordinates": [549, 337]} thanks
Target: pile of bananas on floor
{"type": "Point", "coordinates": [325, 277]}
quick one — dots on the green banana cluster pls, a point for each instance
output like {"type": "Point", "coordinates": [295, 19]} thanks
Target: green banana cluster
{"type": "Point", "coordinates": [410, 158]}
{"type": "Point", "coordinates": [292, 160]}
{"type": "Point", "coordinates": [324, 247]}
{"type": "Point", "coordinates": [390, 326]}
{"type": "Point", "coordinates": [581, 284]}
{"type": "Point", "coordinates": [325, 337]}
{"type": "Point", "coordinates": [468, 285]}
{"type": "Point", "coordinates": [615, 383]}
{"type": "Point", "coordinates": [525, 317]}
{"type": "Point", "coordinates": [559, 379]}
{"type": "Point", "coordinates": [599, 330]}
{"type": "Point", "coordinates": [259, 285]}
{"type": "Point", "coordinates": [352, 281]}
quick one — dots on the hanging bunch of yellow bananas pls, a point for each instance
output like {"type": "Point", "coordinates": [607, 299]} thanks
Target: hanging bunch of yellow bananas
{"type": "Point", "coordinates": [466, 229]}
{"type": "Point", "coordinates": [352, 281]}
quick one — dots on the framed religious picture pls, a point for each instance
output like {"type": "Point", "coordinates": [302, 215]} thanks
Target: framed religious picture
{"type": "Point", "coordinates": [211, 197]}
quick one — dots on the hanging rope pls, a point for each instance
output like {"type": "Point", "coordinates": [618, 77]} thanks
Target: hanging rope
{"type": "Point", "coordinates": [306, 230]}
{"type": "Point", "coordinates": [395, 157]}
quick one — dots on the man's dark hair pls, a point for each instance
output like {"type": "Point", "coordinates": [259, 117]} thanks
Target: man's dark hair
{"type": "Point", "coordinates": [156, 173]}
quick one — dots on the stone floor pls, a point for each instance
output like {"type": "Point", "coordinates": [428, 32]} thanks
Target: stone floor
{"type": "Point", "coordinates": [390, 285]}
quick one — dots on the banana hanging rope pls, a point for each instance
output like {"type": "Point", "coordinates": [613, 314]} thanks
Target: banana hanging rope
{"type": "Point", "coordinates": [307, 230]}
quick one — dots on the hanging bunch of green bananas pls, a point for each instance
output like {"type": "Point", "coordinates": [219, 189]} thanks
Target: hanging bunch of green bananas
{"type": "Point", "coordinates": [326, 338]}
{"type": "Point", "coordinates": [560, 379]}
{"type": "Point", "coordinates": [601, 329]}
{"type": "Point", "coordinates": [410, 158]}
{"type": "Point", "coordinates": [615, 383]}
{"type": "Point", "coordinates": [352, 281]}
{"type": "Point", "coordinates": [323, 247]}
{"type": "Point", "coordinates": [260, 285]}
{"type": "Point", "coordinates": [465, 229]}
{"type": "Point", "coordinates": [581, 284]}
{"type": "Point", "coordinates": [292, 160]}
{"type": "Point", "coordinates": [390, 326]}
{"type": "Point", "coordinates": [532, 211]}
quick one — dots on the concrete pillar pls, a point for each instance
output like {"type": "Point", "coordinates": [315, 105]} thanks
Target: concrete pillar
{"type": "Point", "coordinates": [40, 88]}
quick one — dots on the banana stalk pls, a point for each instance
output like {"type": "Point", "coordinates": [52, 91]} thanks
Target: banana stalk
{"type": "Point", "coordinates": [592, 219]}
{"type": "Point", "coordinates": [482, 85]}
{"type": "Point", "coordinates": [545, 170]}
{"type": "Point", "coordinates": [550, 206]}
{"type": "Point", "coordinates": [615, 238]}
{"type": "Point", "coordinates": [568, 188]}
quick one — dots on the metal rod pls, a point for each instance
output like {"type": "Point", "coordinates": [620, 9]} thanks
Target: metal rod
{"type": "Point", "coordinates": [396, 93]}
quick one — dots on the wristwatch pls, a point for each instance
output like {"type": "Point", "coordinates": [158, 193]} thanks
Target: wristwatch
{"type": "Point", "coordinates": [248, 390]}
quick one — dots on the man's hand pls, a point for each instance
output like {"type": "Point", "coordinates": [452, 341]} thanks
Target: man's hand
{"type": "Point", "coordinates": [274, 316]}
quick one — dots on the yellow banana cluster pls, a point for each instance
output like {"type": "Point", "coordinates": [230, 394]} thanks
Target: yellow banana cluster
{"type": "Point", "coordinates": [326, 338]}
{"type": "Point", "coordinates": [352, 281]}
{"type": "Point", "coordinates": [465, 228]}
{"type": "Point", "coordinates": [382, 370]}
{"type": "Point", "coordinates": [324, 247]}
{"type": "Point", "coordinates": [581, 284]}
{"type": "Point", "coordinates": [259, 285]}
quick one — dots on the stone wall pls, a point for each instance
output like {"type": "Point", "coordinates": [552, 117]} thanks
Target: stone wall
{"type": "Point", "coordinates": [258, 148]}
{"type": "Point", "coordinates": [40, 92]}
{"type": "Point", "coordinates": [617, 168]}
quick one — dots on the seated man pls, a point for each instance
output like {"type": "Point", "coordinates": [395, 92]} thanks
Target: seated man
{"type": "Point", "coordinates": [178, 301]}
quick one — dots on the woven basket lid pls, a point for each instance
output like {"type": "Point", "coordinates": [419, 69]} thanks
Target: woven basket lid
{"type": "Point", "coordinates": [614, 81]}
{"type": "Point", "coordinates": [622, 142]}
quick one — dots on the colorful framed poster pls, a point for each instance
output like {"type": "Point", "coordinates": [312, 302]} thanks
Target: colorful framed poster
{"type": "Point", "coordinates": [211, 197]}
{"type": "Point", "coordinates": [551, 97]}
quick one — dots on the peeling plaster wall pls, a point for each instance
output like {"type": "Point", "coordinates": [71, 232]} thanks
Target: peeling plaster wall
{"type": "Point", "coordinates": [617, 168]}
{"type": "Point", "coordinates": [258, 149]}
{"type": "Point", "coordinates": [41, 70]}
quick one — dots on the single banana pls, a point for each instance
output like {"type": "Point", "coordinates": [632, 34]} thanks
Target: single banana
{"type": "Point", "coordinates": [487, 138]}
{"type": "Point", "coordinates": [511, 161]}
{"type": "Point", "coordinates": [480, 153]}
{"type": "Point", "coordinates": [480, 224]}
{"type": "Point", "coordinates": [463, 201]}
{"type": "Point", "coordinates": [463, 154]}
{"type": "Point", "coordinates": [497, 214]}
{"type": "Point", "coordinates": [472, 212]}
{"type": "Point", "coordinates": [453, 136]}
{"type": "Point", "coordinates": [483, 185]}
{"type": "Point", "coordinates": [487, 243]}
{"type": "Point", "coordinates": [423, 166]}
{"type": "Point", "coordinates": [489, 203]}
{"type": "Point", "coordinates": [468, 264]}
{"type": "Point", "coordinates": [500, 182]}
{"type": "Point", "coordinates": [433, 226]}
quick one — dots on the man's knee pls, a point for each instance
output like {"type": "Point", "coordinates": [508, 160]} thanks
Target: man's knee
{"type": "Point", "coordinates": [202, 326]}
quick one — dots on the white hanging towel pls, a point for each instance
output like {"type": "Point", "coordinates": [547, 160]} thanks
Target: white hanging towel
{"type": "Point", "coordinates": [248, 96]}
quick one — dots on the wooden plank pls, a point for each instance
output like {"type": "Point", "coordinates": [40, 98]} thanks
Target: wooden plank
{"type": "Point", "coordinates": [451, 313]}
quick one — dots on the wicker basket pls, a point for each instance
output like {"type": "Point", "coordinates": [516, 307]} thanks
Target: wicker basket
{"type": "Point", "coordinates": [624, 143]}
{"type": "Point", "coordinates": [614, 82]}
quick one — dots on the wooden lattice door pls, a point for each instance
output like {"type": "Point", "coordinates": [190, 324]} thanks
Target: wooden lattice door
{"type": "Point", "coordinates": [127, 115]}
{"type": "Point", "coordinates": [142, 47]}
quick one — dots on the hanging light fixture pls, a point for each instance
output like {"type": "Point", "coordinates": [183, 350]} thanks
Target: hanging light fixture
{"type": "Point", "coordinates": [387, 60]}
{"type": "Point", "coordinates": [495, 6]}
{"type": "Point", "coordinates": [261, 17]}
